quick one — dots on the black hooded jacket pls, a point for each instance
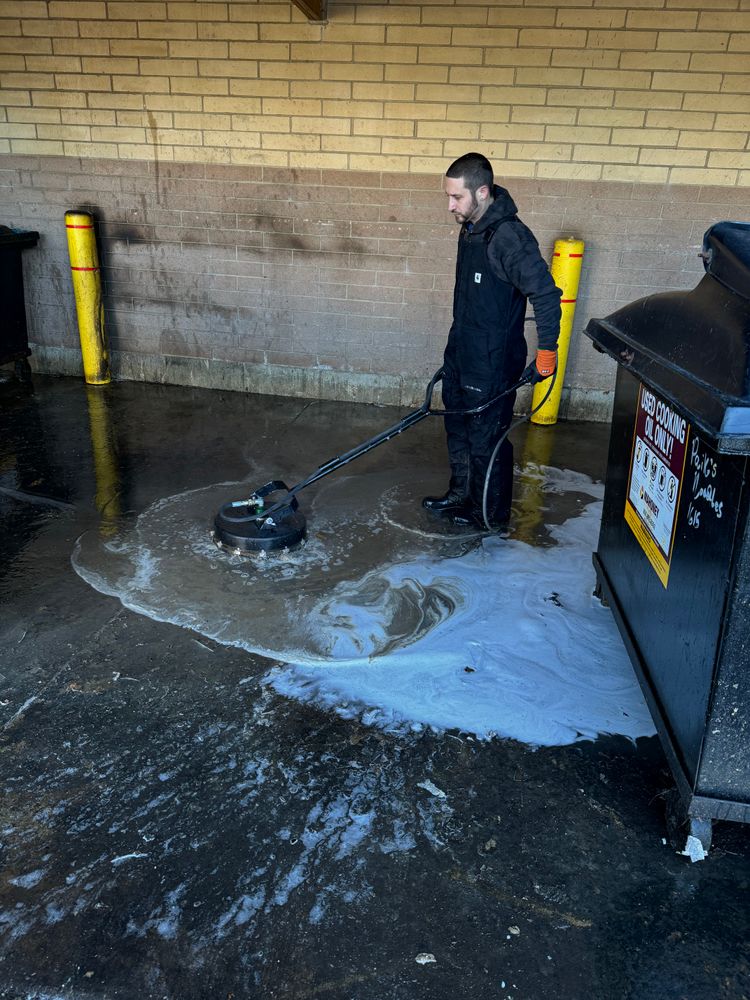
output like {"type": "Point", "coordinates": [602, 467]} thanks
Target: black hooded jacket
{"type": "Point", "coordinates": [499, 267]}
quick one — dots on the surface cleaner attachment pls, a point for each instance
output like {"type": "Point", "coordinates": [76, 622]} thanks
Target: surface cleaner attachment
{"type": "Point", "coordinates": [268, 519]}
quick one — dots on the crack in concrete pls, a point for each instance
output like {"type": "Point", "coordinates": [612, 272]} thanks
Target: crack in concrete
{"type": "Point", "coordinates": [522, 902]}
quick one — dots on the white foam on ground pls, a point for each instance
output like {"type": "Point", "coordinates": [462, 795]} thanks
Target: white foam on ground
{"type": "Point", "coordinates": [528, 652]}
{"type": "Point", "coordinates": [504, 640]}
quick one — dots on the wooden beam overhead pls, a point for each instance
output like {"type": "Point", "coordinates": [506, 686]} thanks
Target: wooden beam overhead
{"type": "Point", "coordinates": [314, 10]}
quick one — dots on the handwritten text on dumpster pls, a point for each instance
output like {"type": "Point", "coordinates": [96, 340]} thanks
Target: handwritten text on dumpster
{"type": "Point", "coordinates": [704, 468]}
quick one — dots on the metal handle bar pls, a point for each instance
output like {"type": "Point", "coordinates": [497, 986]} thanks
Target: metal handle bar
{"type": "Point", "coordinates": [425, 410]}
{"type": "Point", "coordinates": [480, 409]}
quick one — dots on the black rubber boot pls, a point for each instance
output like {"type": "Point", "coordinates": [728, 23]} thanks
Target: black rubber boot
{"type": "Point", "coordinates": [499, 493]}
{"type": "Point", "coordinates": [449, 503]}
{"type": "Point", "coordinates": [457, 495]}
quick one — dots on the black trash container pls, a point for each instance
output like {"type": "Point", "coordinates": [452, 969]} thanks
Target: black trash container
{"type": "Point", "coordinates": [14, 340]}
{"type": "Point", "coordinates": [673, 559]}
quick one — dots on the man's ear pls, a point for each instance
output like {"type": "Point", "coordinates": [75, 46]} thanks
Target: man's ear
{"type": "Point", "coordinates": [483, 192]}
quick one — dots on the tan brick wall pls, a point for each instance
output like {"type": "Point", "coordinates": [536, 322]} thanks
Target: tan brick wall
{"type": "Point", "coordinates": [321, 282]}
{"type": "Point", "coordinates": [652, 91]}
{"type": "Point", "coordinates": [267, 190]}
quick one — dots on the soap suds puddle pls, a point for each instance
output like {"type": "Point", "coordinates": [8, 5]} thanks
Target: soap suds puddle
{"type": "Point", "coordinates": [380, 616]}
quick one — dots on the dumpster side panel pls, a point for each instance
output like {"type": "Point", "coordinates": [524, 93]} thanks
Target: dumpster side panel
{"type": "Point", "coordinates": [675, 629]}
{"type": "Point", "coordinates": [725, 762]}
{"type": "Point", "coordinates": [14, 341]}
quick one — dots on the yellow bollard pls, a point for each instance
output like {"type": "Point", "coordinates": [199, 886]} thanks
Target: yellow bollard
{"type": "Point", "coordinates": [87, 287]}
{"type": "Point", "coordinates": [566, 271]}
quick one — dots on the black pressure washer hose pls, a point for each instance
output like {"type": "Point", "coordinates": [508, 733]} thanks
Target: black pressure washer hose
{"type": "Point", "coordinates": [513, 425]}
{"type": "Point", "coordinates": [524, 380]}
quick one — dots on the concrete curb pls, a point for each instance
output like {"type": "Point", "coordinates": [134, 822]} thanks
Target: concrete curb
{"type": "Point", "coordinates": [283, 380]}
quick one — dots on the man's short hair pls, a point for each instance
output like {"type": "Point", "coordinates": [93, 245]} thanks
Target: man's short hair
{"type": "Point", "coordinates": [474, 169]}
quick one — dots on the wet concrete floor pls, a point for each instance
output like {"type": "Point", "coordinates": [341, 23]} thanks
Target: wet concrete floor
{"type": "Point", "coordinates": [171, 827]}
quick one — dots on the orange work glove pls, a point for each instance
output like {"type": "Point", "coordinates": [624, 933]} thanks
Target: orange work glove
{"type": "Point", "coordinates": [542, 367]}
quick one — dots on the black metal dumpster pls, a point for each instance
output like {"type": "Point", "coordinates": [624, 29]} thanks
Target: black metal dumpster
{"type": "Point", "coordinates": [14, 341]}
{"type": "Point", "coordinates": [673, 558]}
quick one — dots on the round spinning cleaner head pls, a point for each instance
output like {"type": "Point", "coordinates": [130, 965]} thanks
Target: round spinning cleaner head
{"type": "Point", "coordinates": [245, 525]}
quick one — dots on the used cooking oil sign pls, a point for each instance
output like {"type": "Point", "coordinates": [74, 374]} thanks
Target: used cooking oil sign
{"type": "Point", "coordinates": [657, 468]}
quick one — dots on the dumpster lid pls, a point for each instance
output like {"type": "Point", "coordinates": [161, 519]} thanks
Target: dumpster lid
{"type": "Point", "coordinates": [726, 255]}
{"type": "Point", "coordinates": [17, 238]}
{"type": "Point", "coordinates": [694, 346]}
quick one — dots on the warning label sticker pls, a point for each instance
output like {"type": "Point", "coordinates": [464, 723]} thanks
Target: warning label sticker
{"type": "Point", "coordinates": [657, 468]}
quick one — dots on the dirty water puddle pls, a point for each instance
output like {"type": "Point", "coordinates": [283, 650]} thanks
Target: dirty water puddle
{"type": "Point", "coordinates": [385, 615]}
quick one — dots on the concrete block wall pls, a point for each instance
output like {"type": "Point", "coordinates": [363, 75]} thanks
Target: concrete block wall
{"type": "Point", "coordinates": [268, 190]}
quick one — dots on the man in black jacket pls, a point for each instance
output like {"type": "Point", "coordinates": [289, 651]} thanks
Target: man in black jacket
{"type": "Point", "coordinates": [498, 268]}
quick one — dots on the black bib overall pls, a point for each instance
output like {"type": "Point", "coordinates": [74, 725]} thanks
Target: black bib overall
{"type": "Point", "coordinates": [486, 352]}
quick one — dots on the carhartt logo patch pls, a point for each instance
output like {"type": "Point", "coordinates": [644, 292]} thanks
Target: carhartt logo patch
{"type": "Point", "coordinates": [477, 277]}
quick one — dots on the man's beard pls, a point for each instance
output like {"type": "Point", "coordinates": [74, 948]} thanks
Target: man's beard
{"type": "Point", "coordinates": [460, 217]}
